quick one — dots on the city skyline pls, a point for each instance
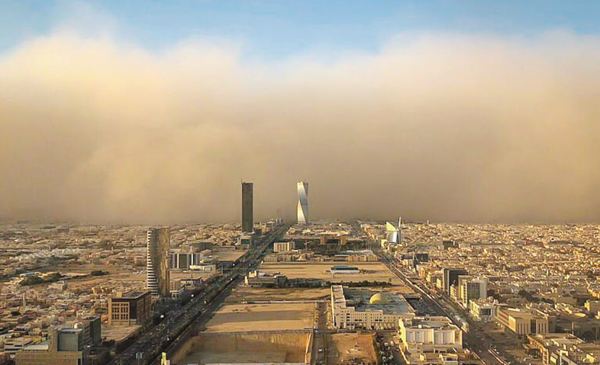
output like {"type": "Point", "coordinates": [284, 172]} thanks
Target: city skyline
{"type": "Point", "coordinates": [451, 148]}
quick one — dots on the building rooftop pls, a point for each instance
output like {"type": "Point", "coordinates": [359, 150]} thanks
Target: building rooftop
{"type": "Point", "coordinates": [437, 322]}
{"type": "Point", "coordinates": [133, 295]}
{"type": "Point", "coordinates": [42, 346]}
{"type": "Point", "coordinates": [364, 299]}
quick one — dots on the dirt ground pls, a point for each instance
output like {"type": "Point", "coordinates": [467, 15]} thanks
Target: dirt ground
{"type": "Point", "coordinates": [266, 348]}
{"type": "Point", "coordinates": [235, 357]}
{"type": "Point", "coordinates": [243, 293]}
{"type": "Point", "coordinates": [117, 278]}
{"type": "Point", "coordinates": [343, 347]}
{"type": "Point", "coordinates": [371, 271]}
{"type": "Point", "coordinates": [262, 317]}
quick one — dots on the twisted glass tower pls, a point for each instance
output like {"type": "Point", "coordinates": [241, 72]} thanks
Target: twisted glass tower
{"type": "Point", "coordinates": [302, 210]}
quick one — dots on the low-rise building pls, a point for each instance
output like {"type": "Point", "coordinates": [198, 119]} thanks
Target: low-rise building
{"type": "Point", "coordinates": [183, 259]}
{"type": "Point", "coordinates": [483, 309]}
{"type": "Point", "coordinates": [13, 346]}
{"type": "Point", "coordinates": [523, 321]}
{"type": "Point", "coordinates": [342, 269]}
{"type": "Point", "coordinates": [65, 347]}
{"type": "Point", "coordinates": [549, 343]}
{"type": "Point", "coordinates": [177, 288]}
{"type": "Point", "coordinates": [430, 340]}
{"type": "Point", "coordinates": [283, 246]}
{"type": "Point", "coordinates": [259, 279]}
{"type": "Point", "coordinates": [592, 305]}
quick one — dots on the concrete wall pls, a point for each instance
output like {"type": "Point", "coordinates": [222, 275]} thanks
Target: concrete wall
{"type": "Point", "coordinates": [295, 345]}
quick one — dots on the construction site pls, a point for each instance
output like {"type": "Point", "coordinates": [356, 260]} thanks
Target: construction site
{"type": "Point", "coordinates": [346, 348]}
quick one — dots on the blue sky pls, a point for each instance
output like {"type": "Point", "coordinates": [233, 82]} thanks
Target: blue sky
{"type": "Point", "coordinates": [272, 29]}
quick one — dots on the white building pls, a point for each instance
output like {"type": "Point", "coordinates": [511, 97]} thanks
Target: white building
{"type": "Point", "coordinates": [383, 311]}
{"type": "Point", "coordinates": [483, 309]}
{"type": "Point", "coordinates": [283, 246]}
{"type": "Point", "coordinates": [523, 321]}
{"type": "Point", "coordinates": [424, 339]}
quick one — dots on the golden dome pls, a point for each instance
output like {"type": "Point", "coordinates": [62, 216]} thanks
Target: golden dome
{"type": "Point", "coordinates": [379, 298]}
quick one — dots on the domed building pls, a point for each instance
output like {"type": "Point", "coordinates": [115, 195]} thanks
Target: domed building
{"type": "Point", "coordinates": [364, 309]}
{"type": "Point", "coordinates": [379, 298]}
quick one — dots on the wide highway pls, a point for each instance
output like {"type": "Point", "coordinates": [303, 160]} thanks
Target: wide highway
{"type": "Point", "coordinates": [153, 342]}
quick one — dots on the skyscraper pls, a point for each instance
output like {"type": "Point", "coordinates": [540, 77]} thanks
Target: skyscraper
{"type": "Point", "coordinates": [247, 207]}
{"type": "Point", "coordinates": [302, 210]}
{"type": "Point", "coordinates": [391, 233]}
{"type": "Point", "coordinates": [158, 245]}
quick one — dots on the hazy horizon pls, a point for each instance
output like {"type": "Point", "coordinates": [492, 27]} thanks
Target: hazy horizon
{"type": "Point", "coordinates": [445, 126]}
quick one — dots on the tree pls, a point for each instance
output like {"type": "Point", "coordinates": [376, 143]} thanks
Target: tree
{"type": "Point", "coordinates": [51, 278]}
{"type": "Point", "coordinates": [31, 280]}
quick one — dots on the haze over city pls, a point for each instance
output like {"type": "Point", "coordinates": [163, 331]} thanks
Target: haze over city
{"type": "Point", "coordinates": [455, 123]}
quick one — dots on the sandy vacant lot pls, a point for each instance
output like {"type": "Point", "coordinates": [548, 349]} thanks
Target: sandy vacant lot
{"type": "Point", "coordinates": [239, 348]}
{"type": "Point", "coordinates": [244, 293]}
{"type": "Point", "coordinates": [345, 346]}
{"type": "Point", "coordinates": [371, 271]}
{"type": "Point", "coordinates": [262, 317]}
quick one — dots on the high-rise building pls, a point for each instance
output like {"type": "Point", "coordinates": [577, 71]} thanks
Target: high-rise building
{"type": "Point", "coordinates": [247, 207]}
{"type": "Point", "coordinates": [391, 233]}
{"type": "Point", "coordinates": [302, 210]}
{"type": "Point", "coordinates": [400, 231]}
{"type": "Point", "coordinates": [451, 277]}
{"type": "Point", "coordinates": [470, 288]}
{"type": "Point", "coordinates": [158, 246]}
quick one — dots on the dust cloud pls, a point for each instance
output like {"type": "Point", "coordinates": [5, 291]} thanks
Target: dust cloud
{"type": "Point", "coordinates": [432, 126]}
